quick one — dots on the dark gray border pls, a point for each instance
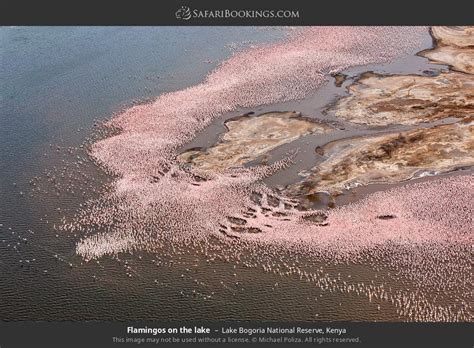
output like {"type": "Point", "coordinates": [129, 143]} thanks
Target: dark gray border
{"type": "Point", "coordinates": [155, 12]}
{"type": "Point", "coordinates": [99, 334]}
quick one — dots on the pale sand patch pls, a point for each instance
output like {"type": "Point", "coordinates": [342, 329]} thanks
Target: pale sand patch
{"type": "Point", "coordinates": [378, 100]}
{"type": "Point", "coordinates": [390, 158]}
{"type": "Point", "coordinates": [249, 137]}
{"type": "Point", "coordinates": [460, 59]}
{"type": "Point", "coordinates": [454, 36]}
{"type": "Point", "coordinates": [454, 47]}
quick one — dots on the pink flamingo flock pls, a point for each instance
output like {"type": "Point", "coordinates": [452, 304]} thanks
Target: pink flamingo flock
{"type": "Point", "coordinates": [421, 231]}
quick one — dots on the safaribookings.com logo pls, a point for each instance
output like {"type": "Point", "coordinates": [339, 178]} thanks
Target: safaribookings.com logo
{"type": "Point", "coordinates": [183, 13]}
{"type": "Point", "coordinates": [186, 13]}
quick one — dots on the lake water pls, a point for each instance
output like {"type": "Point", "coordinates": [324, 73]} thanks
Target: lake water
{"type": "Point", "coordinates": [56, 84]}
